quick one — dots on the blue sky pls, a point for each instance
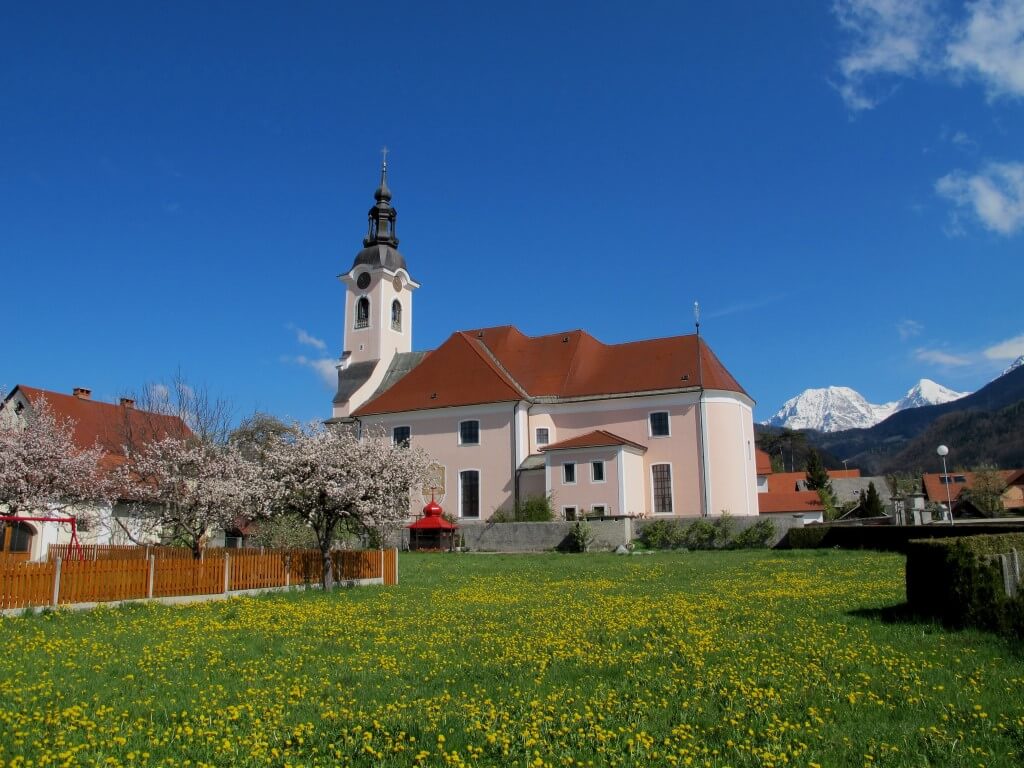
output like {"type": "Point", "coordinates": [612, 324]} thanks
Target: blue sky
{"type": "Point", "coordinates": [840, 186]}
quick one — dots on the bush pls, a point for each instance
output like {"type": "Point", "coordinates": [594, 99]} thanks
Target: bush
{"type": "Point", "coordinates": [706, 534]}
{"type": "Point", "coordinates": [700, 534]}
{"type": "Point", "coordinates": [534, 509]}
{"type": "Point", "coordinates": [581, 537]}
{"type": "Point", "coordinates": [662, 534]}
{"type": "Point", "coordinates": [755, 536]}
{"type": "Point", "coordinates": [808, 537]}
{"type": "Point", "coordinates": [955, 581]}
{"type": "Point", "coordinates": [723, 530]}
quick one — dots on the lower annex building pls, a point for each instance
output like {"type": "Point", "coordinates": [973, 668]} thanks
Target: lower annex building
{"type": "Point", "coordinates": [646, 429]}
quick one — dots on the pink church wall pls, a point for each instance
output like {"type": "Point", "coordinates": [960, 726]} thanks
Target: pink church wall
{"type": "Point", "coordinates": [585, 493]}
{"type": "Point", "coordinates": [438, 434]}
{"type": "Point", "coordinates": [731, 458]}
{"type": "Point", "coordinates": [680, 449]}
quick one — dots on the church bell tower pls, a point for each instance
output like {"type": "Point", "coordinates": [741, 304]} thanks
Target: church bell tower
{"type": "Point", "coordinates": [378, 301]}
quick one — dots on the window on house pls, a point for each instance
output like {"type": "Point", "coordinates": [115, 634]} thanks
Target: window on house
{"type": "Point", "coordinates": [569, 513]}
{"type": "Point", "coordinates": [20, 537]}
{"type": "Point", "coordinates": [469, 432]}
{"type": "Point", "coordinates": [363, 312]}
{"type": "Point", "coordinates": [599, 510]}
{"type": "Point", "coordinates": [597, 471]}
{"type": "Point", "coordinates": [659, 424]}
{"type": "Point", "coordinates": [469, 493]}
{"type": "Point", "coordinates": [396, 315]}
{"type": "Point", "coordinates": [401, 435]}
{"type": "Point", "coordinates": [543, 436]}
{"type": "Point", "coordinates": [661, 480]}
{"type": "Point", "coordinates": [569, 473]}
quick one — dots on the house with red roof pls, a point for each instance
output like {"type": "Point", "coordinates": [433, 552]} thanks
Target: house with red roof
{"type": "Point", "coordinates": [115, 429]}
{"type": "Point", "coordinates": [657, 427]}
{"type": "Point", "coordinates": [941, 488]}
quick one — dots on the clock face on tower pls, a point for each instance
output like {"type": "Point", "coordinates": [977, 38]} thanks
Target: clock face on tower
{"type": "Point", "coordinates": [397, 283]}
{"type": "Point", "coordinates": [363, 280]}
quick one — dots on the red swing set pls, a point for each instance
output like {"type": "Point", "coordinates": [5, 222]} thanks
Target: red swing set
{"type": "Point", "coordinates": [75, 547]}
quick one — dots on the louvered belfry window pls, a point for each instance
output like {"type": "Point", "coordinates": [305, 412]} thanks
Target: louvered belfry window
{"type": "Point", "coordinates": [363, 312]}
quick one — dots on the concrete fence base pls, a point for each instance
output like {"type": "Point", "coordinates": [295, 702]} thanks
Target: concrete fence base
{"type": "Point", "coordinates": [608, 534]}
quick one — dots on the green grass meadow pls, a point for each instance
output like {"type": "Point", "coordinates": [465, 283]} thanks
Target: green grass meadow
{"type": "Point", "coordinates": [707, 659]}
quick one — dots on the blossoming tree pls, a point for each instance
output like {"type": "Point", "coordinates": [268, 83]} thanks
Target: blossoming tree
{"type": "Point", "coordinates": [184, 488]}
{"type": "Point", "coordinates": [42, 470]}
{"type": "Point", "coordinates": [327, 476]}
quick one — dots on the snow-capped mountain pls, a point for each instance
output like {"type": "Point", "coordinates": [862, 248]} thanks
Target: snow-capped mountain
{"type": "Point", "coordinates": [1014, 365]}
{"type": "Point", "coordinates": [832, 409]}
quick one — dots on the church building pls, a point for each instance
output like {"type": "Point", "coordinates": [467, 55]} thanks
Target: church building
{"type": "Point", "coordinates": [645, 429]}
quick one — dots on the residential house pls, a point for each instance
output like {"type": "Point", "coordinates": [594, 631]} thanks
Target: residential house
{"type": "Point", "coordinates": [114, 428]}
{"type": "Point", "coordinates": [937, 485]}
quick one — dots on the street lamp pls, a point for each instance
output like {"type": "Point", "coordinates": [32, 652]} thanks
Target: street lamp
{"type": "Point", "coordinates": [943, 451]}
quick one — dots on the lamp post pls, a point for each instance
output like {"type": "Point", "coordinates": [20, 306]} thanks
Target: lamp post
{"type": "Point", "coordinates": [943, 451]}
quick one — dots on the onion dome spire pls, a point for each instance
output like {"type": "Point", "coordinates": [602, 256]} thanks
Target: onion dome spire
{"type": "Point", "coordinates": [382, 216]}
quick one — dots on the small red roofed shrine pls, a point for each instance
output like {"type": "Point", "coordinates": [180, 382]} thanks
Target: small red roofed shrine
{"type": "Point", "coordinates": [432, 531]}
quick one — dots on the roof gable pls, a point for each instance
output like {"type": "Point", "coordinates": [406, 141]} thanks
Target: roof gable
{"type": "Point", "coordinates": [110, 426]}
{"type": "Point", "coordinates": [599, 438]}
{"type": "Point", "coordinates": [456, 373]}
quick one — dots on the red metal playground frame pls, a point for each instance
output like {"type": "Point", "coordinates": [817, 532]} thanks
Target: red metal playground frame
{"type": "Point", "coordinates": [75, 544]}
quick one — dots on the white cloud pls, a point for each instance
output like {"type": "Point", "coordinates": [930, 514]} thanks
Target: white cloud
{"type": "Point", "coordinates": [939, 357]}
{"type": "Point", "coordinates": [995, 195]}
{"type": "Point", "coordinates": [907, 329]}
{"type": "Point", "coordinates": [889, 38]}
{"type": "Point", "coordinates": [1010, 349]}
{"type": "Point", "coordinates": [305, 338]}
{"type": "Point", "coordinates": [324, 367]}
{"type": "Point", "coordinates": [989, 46]}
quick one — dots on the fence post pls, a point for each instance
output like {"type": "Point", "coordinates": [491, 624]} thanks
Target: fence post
{"type": "Point", "coordinates": [227, 573]}
{"type": "Point", "coordinates": [152, 574]}
{"type": "Point", "coordinates": [56, 582]}
{"type": "Point", "coordinates": [288, 569]}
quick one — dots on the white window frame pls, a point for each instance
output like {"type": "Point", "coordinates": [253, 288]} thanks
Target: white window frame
{"type": "Point", "coordinates": [400, 426]}
{"type": "Point", "coordinates": [575, 474]}
{"type": "Point", "coordinates": [459, 433]}
{"type": "Point", "coordinates": [604, 508]}
{"type": "Point", "coordinates": [604, 471]}
{"type": "Point", "coordinates": [479, 493]}
{"type": "Point", "coordinates": [536, 436]}
{"type": "Point", "coordinates": [650, 427]}
{"type": "Point", "coordinates": [575, 512]}
{"type": "Point", "coordinates": [671, 489]}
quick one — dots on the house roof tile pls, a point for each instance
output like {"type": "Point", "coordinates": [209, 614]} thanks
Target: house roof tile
{"type": "Point", "coordinates": [561, 365]}
{"type": "Point", "coordinates": [776, 503]}
{"type": "Point", "coordinates": [597, 439]}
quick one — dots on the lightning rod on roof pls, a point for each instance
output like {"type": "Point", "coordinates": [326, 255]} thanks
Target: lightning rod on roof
{"type": "Point", "coordinates": [696, 315]}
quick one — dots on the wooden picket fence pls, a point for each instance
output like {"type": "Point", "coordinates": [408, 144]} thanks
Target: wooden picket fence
{"type": "Point", "coordinates": [104, 579]}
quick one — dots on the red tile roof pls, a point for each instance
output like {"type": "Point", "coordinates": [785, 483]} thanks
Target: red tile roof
{"type": "Point", "coordinates": [787, 482]}
{"type": "Point", "coordinates": [935, 489]}
{"type": "Point", "coordinates": [565, 365]}
{"type": "Point", "coordinates": [597, 439]}
{"type": "Point", "coordinates": [105, 423]}
{"type": "Point", "coordinates": [764, 462]}
{"type": "Point", "coordinates": [792, 502]}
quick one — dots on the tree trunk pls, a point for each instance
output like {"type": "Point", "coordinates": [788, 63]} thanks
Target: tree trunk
{"type": "Point", "coordinates": [327, 579]}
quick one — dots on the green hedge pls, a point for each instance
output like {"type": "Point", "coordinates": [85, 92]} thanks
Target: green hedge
{"type": "Point", "coordinates": [886, 538]}
{"type": "Point", "coordinates": [952, 581]}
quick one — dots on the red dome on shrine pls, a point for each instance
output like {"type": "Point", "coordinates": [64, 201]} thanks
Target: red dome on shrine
{"type": "Point", "coordinates": [432, 519]}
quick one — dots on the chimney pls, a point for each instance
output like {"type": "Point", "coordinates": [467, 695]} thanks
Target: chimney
{"type": "Point", "coordinates": [127, 402]}
{"type": "Point", "coordinates": [82, 393]}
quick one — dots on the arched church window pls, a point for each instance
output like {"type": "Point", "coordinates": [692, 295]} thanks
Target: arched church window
{"type": "Point", "coordinates": [396, 315]}
{"type": "Point", "coordinates": [363, 312]}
